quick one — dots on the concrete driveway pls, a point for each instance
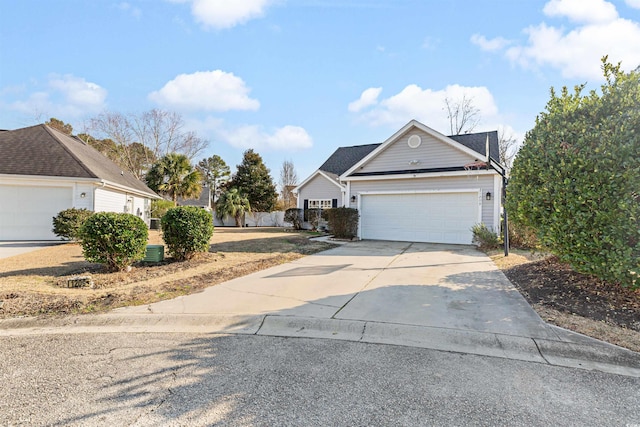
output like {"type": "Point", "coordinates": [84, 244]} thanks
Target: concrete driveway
{"type": "Point", "coordinates": [9, 249]}
{"type": "Point", "coordinates": [443, 286]}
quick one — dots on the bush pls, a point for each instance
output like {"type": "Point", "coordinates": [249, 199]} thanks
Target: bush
{"type": "Point", "coordinates": [160, 207]}
{"type": "Point", "coordinates": [343, 222]}
{"type": "Point", "coordinates": [114, 239]}
{"type": "Point", "coordinates": [576, 178]}
{"type": "Point", "coordinates": [485, 238]}
{"type": "Point", "coordinates": [294, 216]}
{"type": "Point", "coordinates": [313, 217]}
{"type": "Point", "coordinates": [523, 237]}
{"type": "Point", "coordinates": [187, 230]}
{"type": "Point", "coordinates": [68, 222]}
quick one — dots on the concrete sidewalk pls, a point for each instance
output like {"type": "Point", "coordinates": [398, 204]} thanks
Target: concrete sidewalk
{"type": "Point", "coordinates": [450, 298]}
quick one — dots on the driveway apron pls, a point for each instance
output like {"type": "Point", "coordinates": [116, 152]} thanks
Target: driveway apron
{"type": "Point", "coordinates": [419, 284]}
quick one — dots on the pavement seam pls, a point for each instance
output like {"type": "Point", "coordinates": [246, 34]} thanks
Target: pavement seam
{"type": "Point", "coordinates": [540, 351]}
{"type": "Point", "coordinates": [380, 271]}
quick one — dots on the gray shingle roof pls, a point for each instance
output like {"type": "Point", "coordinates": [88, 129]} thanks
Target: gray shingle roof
{"type": "Point", "coordinates": [345, 157]}
{"type": "Point", "coordinates": [478, 143]}
{"type": "Point", "coordinates": [43, 151]}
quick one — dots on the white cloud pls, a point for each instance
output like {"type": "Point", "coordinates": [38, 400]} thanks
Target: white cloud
{"type": "Point", "coordinates": [492, 45]}
{"type": "Point", "coordinates": [633, 3]}
{"type": "Point", "coordinates": [586, 11]}
{"type": "Point", "coordinates": [65, 97]}
{"type": "Point", "coordinates": [127, 7]}
{"type": "Point", "coordinates": [289, 138]}
{"type": "Point", "coordinates": [206, 90]}
{"type": "Point", "coordinates": [222, 14]}
{"type": "Point", "coordinates": [427, 106]}
{"type": "Point", "coordinates": [367, 98]}
{"type": "Point", "coordinates": [576, 52]}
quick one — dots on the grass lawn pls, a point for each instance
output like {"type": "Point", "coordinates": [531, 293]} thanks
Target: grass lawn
{"type": "Point", "coordinates": [33, 284]}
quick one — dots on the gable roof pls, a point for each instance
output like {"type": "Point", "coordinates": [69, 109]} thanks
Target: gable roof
{"type": "Point", "coordinates": [43, 151]}
{"type": "Point", "coordinates": [345, 157]}
{"type": "Point", "coordinates": [202, 200]}
{"type": "Point", "coordinates": [472, 144]}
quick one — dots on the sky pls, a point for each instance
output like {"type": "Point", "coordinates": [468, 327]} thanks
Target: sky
{"type": "Point", "coordinates": [296, 79]}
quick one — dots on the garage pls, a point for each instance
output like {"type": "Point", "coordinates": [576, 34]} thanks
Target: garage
{"type": "Point", "coordinates": [435, 217]}
{"type": "Point", "coordinates": [27, 212]}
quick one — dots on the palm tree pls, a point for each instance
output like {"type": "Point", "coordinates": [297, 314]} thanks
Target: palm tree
{"type": "Point", "coordinates": [173, 175]}
{"type": "Point", "coordinates": [234, 204]}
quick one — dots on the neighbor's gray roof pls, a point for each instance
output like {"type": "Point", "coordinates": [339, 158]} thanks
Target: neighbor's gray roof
{"type": "Point", "coordinates": [345, 157]}
{"type": "Point", "coordinates": [43, 151]}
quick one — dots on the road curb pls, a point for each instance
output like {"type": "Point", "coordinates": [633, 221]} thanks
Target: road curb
{"type": "Point", "coordinates": [589, 354]}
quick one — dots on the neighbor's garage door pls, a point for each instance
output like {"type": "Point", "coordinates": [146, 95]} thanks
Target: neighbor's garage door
{"type": "Point", "coordinates": [421, 217]}
{"type": "Point", "coordinates": [26, 213]}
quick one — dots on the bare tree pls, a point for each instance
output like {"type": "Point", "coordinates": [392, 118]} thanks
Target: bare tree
{"type": "Point", "coordinates": [141, 139]}
{"type": "Point", "coordinates": [463, 115]}
{"type": "Point", "coordinates": [507, 147]}
{"type": "Point", "coordinates": [288, 181]}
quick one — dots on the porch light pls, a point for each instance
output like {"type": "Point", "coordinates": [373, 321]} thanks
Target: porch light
{"type": "Point", "coordinates": [488, 196]}
{"type": "Point", "coordinates": [83, 195]}
{"type": "Point", "coordinates": [353, 199]}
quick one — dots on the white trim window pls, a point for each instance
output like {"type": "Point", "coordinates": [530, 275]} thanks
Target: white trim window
{"type": "Point", "coordinates": [320, 204]}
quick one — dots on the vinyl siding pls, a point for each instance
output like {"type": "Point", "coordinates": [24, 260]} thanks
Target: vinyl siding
{"type": "Point", "coordinates": [109, 201]}
{"type": "Point", "coordinates": [85, 202]}
{"type": "Point", "coordinates": [472, 182]}
{"type": "Point", "coordinates": [431, 153]}
{"type": "Point", "coordinates": [319, 188]}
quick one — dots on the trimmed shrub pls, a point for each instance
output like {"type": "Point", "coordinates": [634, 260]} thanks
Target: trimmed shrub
{"type": "Point", "coordinates": [68, 222]}
{"type": "Point", "coordinates": [343, 222]}
{"type": "Point", "coordinates": [485, 238]}
{"type": "Point", "coordinates": [187, 230]}
{"type": "Point", "coordinates": [313, 217]}
{"type": "Point", "coordinates": [114, 239]}
{"type": "Point", "coordinates": [295, 217]}
{"type": "Point", "coordinates": [160, 207]}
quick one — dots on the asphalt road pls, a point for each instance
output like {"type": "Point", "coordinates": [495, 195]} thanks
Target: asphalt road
{"type": "Point", "coordinates": [129, 379]}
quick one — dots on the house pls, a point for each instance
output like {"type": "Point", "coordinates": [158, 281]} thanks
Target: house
{"type": "Point", "coordinates": [419, 185]}
{"type": "Point", "coordinates": [44, 171]}
{"type": "Point", "coordinates": [204, 201]}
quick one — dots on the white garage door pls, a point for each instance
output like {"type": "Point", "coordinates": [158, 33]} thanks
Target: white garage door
{"type": "Point", "coordinates": [26, 213]}
{"type": "Point", "coordinates": [419, 217]}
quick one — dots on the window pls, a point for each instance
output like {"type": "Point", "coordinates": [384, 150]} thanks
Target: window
{"type": "Point", "coordinates": [320, 204]}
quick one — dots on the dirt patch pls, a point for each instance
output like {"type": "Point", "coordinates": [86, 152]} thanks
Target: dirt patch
{"type": "Point", "coordinates": [575, 301]}
{"type": "Point", "coordinates": [34, 283]}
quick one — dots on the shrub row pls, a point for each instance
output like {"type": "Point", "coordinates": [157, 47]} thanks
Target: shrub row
{"type": "Point", "coordinates": [119, 239]}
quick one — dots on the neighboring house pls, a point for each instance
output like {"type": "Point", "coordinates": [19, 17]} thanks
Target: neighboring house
{"type": "Point", "coordinates": [204, 201]}
{"type": "Point", "coordinates": [418, 185]}
{"type": "Point", "coordinates": [44, 171]}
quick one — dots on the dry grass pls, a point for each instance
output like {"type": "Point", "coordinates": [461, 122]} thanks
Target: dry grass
{"type": "Point", "coordinates": [32, 283]}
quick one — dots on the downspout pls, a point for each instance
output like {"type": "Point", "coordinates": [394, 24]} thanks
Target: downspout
{"type": "Point", "coordinates": [505, 225]}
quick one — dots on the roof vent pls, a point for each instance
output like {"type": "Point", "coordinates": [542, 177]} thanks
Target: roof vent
{"type": "Point", "coordinates": [414, 141]}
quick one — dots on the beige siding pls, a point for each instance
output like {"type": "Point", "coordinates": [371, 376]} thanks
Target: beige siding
{"type": "Point", "coordinates": [319, 188]}
{"type": "Point", "coordinates": [431, 153]}
{"type": "Point", "coordinates": [472, 182]}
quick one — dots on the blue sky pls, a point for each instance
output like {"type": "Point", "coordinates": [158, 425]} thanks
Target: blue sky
{"type": "Point", "coordinates": [295, 79]}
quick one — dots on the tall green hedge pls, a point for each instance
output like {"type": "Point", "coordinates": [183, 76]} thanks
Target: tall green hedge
{"type": "Point", "coordinates": [576, 180]}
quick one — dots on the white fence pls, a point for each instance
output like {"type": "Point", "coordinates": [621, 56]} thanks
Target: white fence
{"type": "Point", "coordinates": [255, 219]}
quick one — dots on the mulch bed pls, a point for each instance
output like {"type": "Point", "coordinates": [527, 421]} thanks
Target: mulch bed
{"type": "Point", "coordinates": [554, 284]}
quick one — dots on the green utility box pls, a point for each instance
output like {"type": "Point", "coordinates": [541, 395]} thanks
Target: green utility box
{"type": "Point", "coordinates": [155, 253]}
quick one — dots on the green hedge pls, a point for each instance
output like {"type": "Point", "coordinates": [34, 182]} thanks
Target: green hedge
{"type": "Point", "coordinates": [343, 222]}
{"type": "Point", "coordinates": [68, 222]}
{"type": "Point", "coordinates": [187, 230]}
{"type": "Point", "coordinates": [114, 239]}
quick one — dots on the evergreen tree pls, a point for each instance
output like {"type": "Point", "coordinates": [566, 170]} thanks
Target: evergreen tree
{"type": "Point", "coordinates": [253, 179]}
